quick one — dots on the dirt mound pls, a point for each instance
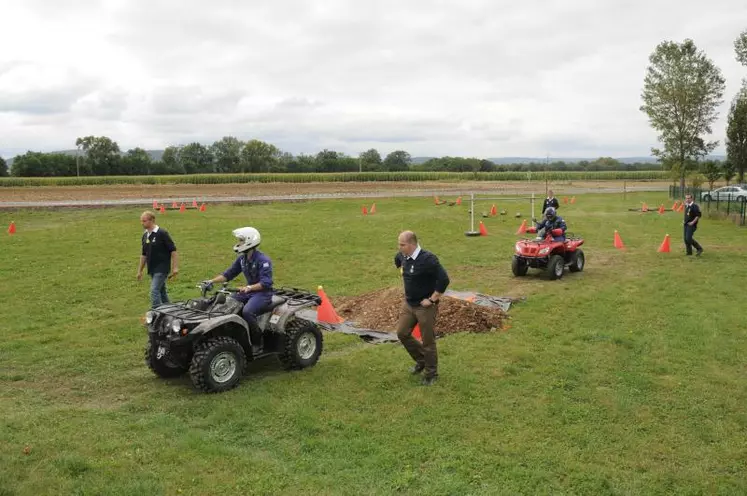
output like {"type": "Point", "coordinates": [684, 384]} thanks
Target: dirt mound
{"type": "Point", "coordinates": [380, 310]}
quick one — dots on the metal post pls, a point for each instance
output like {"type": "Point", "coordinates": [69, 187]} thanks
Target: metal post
{"type": "Point", "coordinates": [472, 211]}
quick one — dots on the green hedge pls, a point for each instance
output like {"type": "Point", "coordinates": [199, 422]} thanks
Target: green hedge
{"type": "Point", "coordinates": [334, 177]}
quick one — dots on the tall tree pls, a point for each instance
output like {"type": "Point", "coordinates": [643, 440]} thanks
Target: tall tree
{"type": "Point", "coordinates": [729, 170]}
{"type": "Point", "coordinates": [740, 46]}
{"type": "Point", "coordinates": [370, 160]}
{"type": "Point", "coordinates": [681, 93]}
{"type": "Point", "coordinates": [736, 132]}
{"type": "Point", "coordinates": [136, 162]}
{"type": "Point", "coordinates": [171, 161]}
{"type": "Point", "coordinates": [196, 159]}
{"type": "Point", "coordinates": [3, 168]}
{"type": "Point", "coordinates": [397, 161]}
{"type": "Point", "coordinates": [712, 171]}
{"type": "Point", "coordinates": [227, 153]}
{"type": "Point", "coordinates": [258, 156]}
{"type": "Point", "coordinates": [102, 154]}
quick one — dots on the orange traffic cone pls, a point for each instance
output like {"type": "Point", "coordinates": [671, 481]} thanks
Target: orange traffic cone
{"type": "Point", "coordinates": [493, 210]}
{"type": "Point", "coordinates": [173, 204]}
{"type": "Point", "coordinates": [373, 209]}
{"type": "Point", "coordinates": [483, 230]}
{"type": "Point", "coordinates": [435, 200]}
{"type": "Point", "coordinates": [155, 205]}
{"type": "Point", "coordinates": [618, 241]}
{"type": "Point", "coordinates": [182, 209]}
{"type": "Point", "coordinates": [163, 210]}
{"type": "Point", "coordinates": [565, 200]}
{"type": "Point", "coordinates": [12, 228]}
{"type": "Point", "coordinates": [644, 208]}
{"type": "Point", "coordinates": [194, 203]}
{"type": "Point", "coordinates": [573, 200]}
{"type": "Point", "coordinates": [675, 205]}
{"type": "Point", "coordinates": [522, 227]}
{"type": "Point", "coordinates": [326, 312]}
{"type": "Point", "coordinates": [202, 207]}
{"type": "Point", "coordinates": [661, 209]}
{"type": "Point", "coordinates": [416, 333]}
{"type": "Point", "coordinates": [664, 248]}
{"type": "Point", "coordinates": [364, 210]}
{"type": "Point", "coordinates": [459, 201]}
{"type": "Point", "coordinates": [681, 208]}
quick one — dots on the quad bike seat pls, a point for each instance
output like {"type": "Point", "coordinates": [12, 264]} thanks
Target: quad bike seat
{"type": "Point", "coordinates": [275, 302]}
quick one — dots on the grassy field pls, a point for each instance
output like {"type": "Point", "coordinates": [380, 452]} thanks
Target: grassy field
{"type": "Point", "coordinates": [628, 378]}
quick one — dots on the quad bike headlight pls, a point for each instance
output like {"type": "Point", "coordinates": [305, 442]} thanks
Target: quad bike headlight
{"type": "Point", "coordinates": [517, 247]}
{"type": "Point", "coordinates": [149, 316]}
{"type": "Point", "coordinates": [544, 251]}
{"type": "Point", "coordinates": [176, 326]}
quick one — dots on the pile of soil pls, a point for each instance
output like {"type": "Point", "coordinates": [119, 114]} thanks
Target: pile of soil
{"type": "Point", "coordinates": [380, 310]}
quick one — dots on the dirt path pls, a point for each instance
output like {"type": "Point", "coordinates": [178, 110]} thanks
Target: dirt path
{"type": "Point", "coordinates": [72, 196]}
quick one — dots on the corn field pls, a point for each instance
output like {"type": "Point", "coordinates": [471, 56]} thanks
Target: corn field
{"type": "Point", "coordinates": [407, 176]}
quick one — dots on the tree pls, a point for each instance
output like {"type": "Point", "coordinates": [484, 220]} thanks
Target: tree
{"type": "Point", "coordinates": [3, 168]}
{"type": "Point", "coordinates": [326, 161]}
{"type": "Point", "coordinates": [712, 171]}
{"type": "Point", "coordinates": [196, 159]}
{"type": "Point", "coordinates": [736, 132]}
{"type": "Point", "coordinates": [102, 154]}
{"type": "Point", "coordinates": [258, 156]}
{"type": "Point", "coordinates": [397, 161]}
{"type": "Point", "coordinates": [136, 162]}
{"type": "Point", "coordinates": [227, 153]}
{"type": "Point", "coordinates": [681, 93]}
{"type": "Point", "coordinates": [171, 163]}
{"type": "Point", "coordinates": [370, 160]}
{"type": "Point", "coordinates": [729, 170]}
{"type": "Point", "coordinates": [740, 46]}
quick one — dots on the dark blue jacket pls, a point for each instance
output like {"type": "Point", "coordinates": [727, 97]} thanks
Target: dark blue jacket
{"type": "Point", "coordinates": [257, 269]}
{"type": "Point", "coordinates": [692, 212]}
{"type": "Point", "coordinates": [553, 224]}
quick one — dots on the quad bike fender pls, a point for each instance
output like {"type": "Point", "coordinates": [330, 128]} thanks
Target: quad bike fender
{"type": "Point", "coordinates": [286, 312]}
{"type": "Point", "coordinates": [228, 325]}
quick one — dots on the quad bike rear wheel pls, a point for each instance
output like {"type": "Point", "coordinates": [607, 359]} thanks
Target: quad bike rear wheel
{"type": "Point", "coordinates": [519, 267]}
{"type": "Point", "coordinates": [578, 260]}
{"type": "Point", "coordinates": [303, 345]}
{"type": "Point", "coordinates": [555, 267]}
{"type": "Point", "coordinates": [161, 366]}
{"type": "Point", "coordinates": [217, 365]}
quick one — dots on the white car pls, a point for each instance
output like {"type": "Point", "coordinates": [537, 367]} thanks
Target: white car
{"type": "Point", "coordinates": [737, 193]}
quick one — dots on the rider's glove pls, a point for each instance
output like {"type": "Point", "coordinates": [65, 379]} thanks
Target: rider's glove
{"type": "Point", "coordinates": [207, 285]}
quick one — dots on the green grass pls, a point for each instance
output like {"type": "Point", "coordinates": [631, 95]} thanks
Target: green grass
{"type": "Point", "coordinates": [327, 177]}
{"type": "Point", "coordinates": [627, 378]}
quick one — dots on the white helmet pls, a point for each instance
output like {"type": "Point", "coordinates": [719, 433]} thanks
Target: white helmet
{"type": "Point", "coordinates": [247, 237]}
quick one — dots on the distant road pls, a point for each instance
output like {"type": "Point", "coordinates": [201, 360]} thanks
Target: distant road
{"type": "Point", "coordinates": [188, 197]}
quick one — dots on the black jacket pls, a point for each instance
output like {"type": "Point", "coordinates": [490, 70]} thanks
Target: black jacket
{"type": "Point", "coordinates": [421, 276]}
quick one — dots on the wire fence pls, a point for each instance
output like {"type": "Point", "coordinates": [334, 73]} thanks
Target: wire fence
{"type": "Point", "coordinates": [730, 204]}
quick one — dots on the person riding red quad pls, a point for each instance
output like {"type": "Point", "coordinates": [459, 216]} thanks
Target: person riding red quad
{"type": "Point", "coordinates": [550, 222]}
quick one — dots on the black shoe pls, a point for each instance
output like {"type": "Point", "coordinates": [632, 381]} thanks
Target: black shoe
{"type": "Point", "coordinates": [700, 252]}
{"type": "Point", "coordinates": [417, 368]}
{"type": "Point", "coordinates": [428, 381]}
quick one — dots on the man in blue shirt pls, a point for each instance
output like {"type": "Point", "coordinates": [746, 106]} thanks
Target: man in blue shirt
{"type": "Point", "coordinates": [256, 267]}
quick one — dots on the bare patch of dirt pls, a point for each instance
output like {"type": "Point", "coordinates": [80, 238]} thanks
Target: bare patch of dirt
{"type": "Point", "coordinates": [380, 310]}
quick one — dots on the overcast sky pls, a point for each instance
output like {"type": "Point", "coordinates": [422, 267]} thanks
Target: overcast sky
{"type": "Point", "coordinates": [469, 77]}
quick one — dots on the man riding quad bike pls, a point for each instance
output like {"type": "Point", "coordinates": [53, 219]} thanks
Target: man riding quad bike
{"type": "Point", "coordinates": [210, 338]}
{"type": "Point", "coordinates": [550, 250]}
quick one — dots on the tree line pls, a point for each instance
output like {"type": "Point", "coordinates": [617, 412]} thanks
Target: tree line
{"type": "Point", "coordinates": [101, 156]}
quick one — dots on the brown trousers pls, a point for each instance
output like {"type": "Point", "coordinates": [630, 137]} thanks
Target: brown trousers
{"type": "Point", "coordinates": [425, 353]}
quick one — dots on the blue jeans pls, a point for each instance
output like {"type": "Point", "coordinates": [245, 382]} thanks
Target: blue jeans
{"type": "Point", "coordinates": [689, 241]}
{"type": "Point", "coordinates": [158, 293]}
{"type": "Point", "coordinates": [254, 303]}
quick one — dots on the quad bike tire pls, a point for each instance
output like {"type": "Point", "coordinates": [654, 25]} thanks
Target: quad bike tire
{"type": "Point", "coordinates": [555, 267]}
{"type": "Point", "coordinates": [519, 267]}
{"type": "Point", "coordinates": [217, 365]}
{"type": "Point", "coordinates": [578, 261]}
{"type": "Point", "coordinates": [303, 345]}
{"type": "Point", "coordinates": [161, 367]}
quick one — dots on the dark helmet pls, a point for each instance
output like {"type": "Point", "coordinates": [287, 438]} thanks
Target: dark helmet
{"type": "Point", "coordinates": [550, 213]}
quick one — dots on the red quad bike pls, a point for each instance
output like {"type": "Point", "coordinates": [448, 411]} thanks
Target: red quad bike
{"type": "Point", "coordinates": [545, 253]}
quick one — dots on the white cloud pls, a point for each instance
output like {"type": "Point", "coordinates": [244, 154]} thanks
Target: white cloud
{"type": "Point", "coordinates": [473, 78]}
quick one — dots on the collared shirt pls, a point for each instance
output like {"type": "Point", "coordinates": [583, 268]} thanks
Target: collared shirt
{"type": "Point", "coordinates": [692, 211]}
{"type": "Point", "coordinates": [414, 254]}
{"type": "Point", "coordinates": [258, 268]}
{"type": "Point", "coordinates": [157, 248]}
{"type": "Point", "coordinates": [422, 274]}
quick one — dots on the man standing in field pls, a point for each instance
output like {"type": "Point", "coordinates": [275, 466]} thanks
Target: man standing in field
{"type": "Point", "coordinates": [692, 216]}
{"type": "Point", "coordinates": [159, 254]}
{"type": "Point", "coordinates": [425, 281]}
{"type": "Point", "coordinates": [550, 201]}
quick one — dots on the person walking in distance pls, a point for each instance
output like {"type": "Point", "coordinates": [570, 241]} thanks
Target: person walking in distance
{"type": "Point", "coordinates": [160, 255]}
{"type": "Point", "coordinates": [692, 216]}
{"type": "Point", "coordinates": [425, 281]}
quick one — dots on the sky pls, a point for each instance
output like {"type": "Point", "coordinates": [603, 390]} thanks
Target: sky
{"type": "Point", "coordinates": [476, 78]}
